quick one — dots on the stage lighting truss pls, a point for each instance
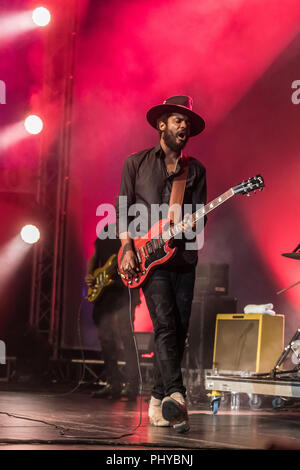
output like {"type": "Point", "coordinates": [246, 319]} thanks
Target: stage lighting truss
{"type": "Point", "coordinates": [52, 189]}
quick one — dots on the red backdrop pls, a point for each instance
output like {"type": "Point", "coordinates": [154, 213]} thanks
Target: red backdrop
{"type": "Point", "coordinates": [237, 59]}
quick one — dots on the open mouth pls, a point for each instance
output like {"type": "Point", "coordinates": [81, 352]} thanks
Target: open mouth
{"type": "Point", "coordinates": [181, 136]}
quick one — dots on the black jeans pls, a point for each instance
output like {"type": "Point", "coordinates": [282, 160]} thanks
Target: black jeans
{"type": "Point", "coordinates": [169, 296]}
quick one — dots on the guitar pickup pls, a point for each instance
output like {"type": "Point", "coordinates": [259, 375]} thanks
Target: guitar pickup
{"type": "Point", "coordinates": [155, 243]}
{"type": "Point", "coordinates": [149, 248]}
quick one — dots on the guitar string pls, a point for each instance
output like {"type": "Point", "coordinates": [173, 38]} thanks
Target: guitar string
{"type": "Point", "coordinates": [209, 207]}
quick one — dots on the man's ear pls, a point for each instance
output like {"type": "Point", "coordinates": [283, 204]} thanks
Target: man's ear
{"type": "Point", "coordinates": [162, 125]}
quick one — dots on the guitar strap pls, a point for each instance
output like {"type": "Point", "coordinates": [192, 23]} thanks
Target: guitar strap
{"type": "Point", "coordinates": [177, 193]}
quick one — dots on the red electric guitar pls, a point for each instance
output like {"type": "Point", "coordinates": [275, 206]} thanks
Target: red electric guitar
{"type": "Point", "coordinates": [154, 249]}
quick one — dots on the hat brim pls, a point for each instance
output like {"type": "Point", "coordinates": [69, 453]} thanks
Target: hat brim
{"type": "Point", "coordinates": [197, 123]}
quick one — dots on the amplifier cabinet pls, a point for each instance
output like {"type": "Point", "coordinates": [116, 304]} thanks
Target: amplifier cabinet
{"type": "Point", "coordinates": [251, 342]}
{"type": "Point", "coordinates": [211, 279]}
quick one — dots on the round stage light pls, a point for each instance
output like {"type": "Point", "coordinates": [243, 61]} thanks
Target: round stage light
{"type": "Point", "coordinates": [30, 234]}
{"type": "Point", "coordinates": [33, 124]}
{"type": "Point", "coordinates": [41, 16]}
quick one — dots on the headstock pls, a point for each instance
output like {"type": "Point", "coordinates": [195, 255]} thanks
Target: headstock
{"type": "Point", "coordinates": [252, 184]}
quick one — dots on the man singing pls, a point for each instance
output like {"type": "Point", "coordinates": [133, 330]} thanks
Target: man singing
{"type": "Point", "coordinates": [147, 179]}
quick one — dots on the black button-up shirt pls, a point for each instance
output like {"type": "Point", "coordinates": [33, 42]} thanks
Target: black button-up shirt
{"type": "Point", "coordinates": [145, 181]}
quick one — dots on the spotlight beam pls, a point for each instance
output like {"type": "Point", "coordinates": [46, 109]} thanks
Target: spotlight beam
{"type": "Point", "coordinates": [12, 25]}
{"type": "Point", "coordinates": [12, 254]}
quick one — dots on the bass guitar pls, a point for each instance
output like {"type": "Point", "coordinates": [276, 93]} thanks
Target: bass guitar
{"type": "Point", "coordinates": [155, 248]}
{"type": "Point", "coordinates": [104, 277]}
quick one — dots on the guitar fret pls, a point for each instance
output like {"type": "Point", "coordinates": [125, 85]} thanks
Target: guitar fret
{"type": "Point", "coordinates": [219, 200]}
{"type": "Point", "coordinates": [199, 214]}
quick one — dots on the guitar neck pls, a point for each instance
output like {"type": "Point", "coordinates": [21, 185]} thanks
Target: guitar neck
{"type": "Point", "coordinates": [214, 204]}
{"type": "Point", "coordinates": [199, 214]}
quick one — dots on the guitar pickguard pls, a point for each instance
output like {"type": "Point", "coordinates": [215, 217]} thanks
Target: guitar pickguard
{"type": "Point", "coordinates": [157, 255]}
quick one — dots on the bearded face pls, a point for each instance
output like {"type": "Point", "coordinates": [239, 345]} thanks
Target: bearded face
{"type": "Point", "coordinates": [176, 132]}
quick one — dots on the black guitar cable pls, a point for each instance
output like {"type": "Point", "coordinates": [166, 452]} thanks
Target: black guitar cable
{"type": "Point", "coordinates": [140, 394]}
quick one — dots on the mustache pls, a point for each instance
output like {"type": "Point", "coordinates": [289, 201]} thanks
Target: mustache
{"type": "Point", "coordinates": [182, 133]}
{"type": "Point", "coordinates": [171, 142]}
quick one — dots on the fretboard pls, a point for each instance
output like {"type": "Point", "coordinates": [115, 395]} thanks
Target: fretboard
{"type": "Point", "coordinates": [199, 214]}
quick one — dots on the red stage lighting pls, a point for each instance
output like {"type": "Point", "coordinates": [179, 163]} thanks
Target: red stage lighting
{"type": "Point", "coordinates": [33, 124]}
{"type": "Point", "coordinates": [41, 16]}
{"type": "Point", "coordinates": [12, 134]}
{"type": "Point", "coordinates": [30, 234]}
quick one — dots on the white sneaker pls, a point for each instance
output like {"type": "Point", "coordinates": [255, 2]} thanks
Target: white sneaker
{"type": "Point", "coordinates": [155, 414]}
{"type": "Point", "coordinates": [175, 411]}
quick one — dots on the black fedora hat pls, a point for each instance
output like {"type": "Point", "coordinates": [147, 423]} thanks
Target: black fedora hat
{"type": "Point", "coordinates": [177, 104]}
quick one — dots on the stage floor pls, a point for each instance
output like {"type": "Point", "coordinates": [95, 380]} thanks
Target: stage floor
{"type": "Point", "coordinates": [44, 420]}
